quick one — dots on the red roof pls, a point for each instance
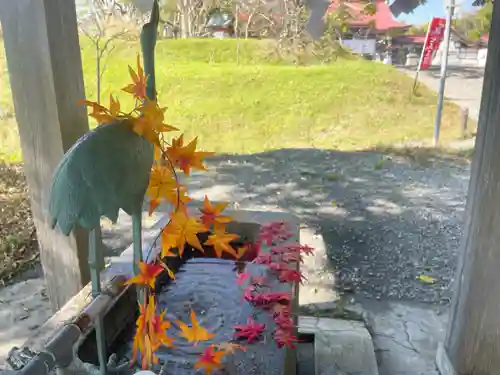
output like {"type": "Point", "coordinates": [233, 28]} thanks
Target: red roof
{"type": "Point", "coordinates": [409, 39]}
{"type": "Point", "coordinates": [382, 20]}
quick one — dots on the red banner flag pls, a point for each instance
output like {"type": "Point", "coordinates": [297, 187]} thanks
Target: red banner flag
{"type": "Point", "coordinates": [434, 36]}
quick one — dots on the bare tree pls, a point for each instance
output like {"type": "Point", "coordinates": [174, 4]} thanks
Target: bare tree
{"type": "Point", "coordinates": [106, 22]}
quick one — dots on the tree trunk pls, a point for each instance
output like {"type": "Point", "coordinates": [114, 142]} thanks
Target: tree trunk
{"type": "Point", "coordinates": [45, 71]}
{"type": "Point", "coordinates": [472, 345]}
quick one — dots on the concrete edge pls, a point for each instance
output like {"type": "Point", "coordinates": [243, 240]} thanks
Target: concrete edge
{"type": "Point", "coordinates": [329, 330]}
{"type": "Point", "coordinates": [443, 362]}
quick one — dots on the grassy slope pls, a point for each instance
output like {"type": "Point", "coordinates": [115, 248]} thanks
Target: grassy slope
{"type": "Point", "coordinates": [347, 105]}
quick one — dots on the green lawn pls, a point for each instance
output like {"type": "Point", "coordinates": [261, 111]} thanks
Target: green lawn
{"type": "Point", "coordinates": [258, 103]}
{"type": "Point", "coordinates": [239, 103]}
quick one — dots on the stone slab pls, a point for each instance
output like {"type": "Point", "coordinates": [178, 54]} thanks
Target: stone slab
{"type": "Point", "coordinates": [340, 346]}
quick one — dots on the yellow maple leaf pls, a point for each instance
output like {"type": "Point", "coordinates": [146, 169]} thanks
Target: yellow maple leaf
{"type": "Point", "coordinates": [182, 229]}
{"type": "Point", "coordinates": [162, 184]}
{"type": "Point", "coordinates": [195, 333]}
{"type": "Point", "coordinates": [150, 124]}
{"type": "Point", "coordinates": [220, 241]}
{"type": "Point", "coordinates": [186, 157]}
{"type": "Point", "coordinates": [427, 279]}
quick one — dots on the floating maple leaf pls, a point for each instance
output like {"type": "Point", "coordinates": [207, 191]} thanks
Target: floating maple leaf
{"type": "Point", "coordinates": [283, 318]}
{"type": "Point", "coordinates": [263, 259]}
{"type": "Point", "coordinates": [195, 333]}
{"type": "Point", "coordinates": [220, 240]}
{"type": "Point", "coordinates": [290, 276]}
{"type": "Point", "coordinates": [138, 87]}
{"type": "Point", "coordinates": [186, 157]}
{"type": "Point", "coordinates": [241, 278]}
{"type": "Point", "coordinates": [258, 280]}
{"type": "Point", "coordinates": [229, 347]}
{"type": "Point", "coordinates": [278, 267]}
{"type": "Point", "coordinates": [285, 337]}
{"type": "Point", "coordinates": [147, 274]}
{"type": "Point", "coordinates": [266, 299]}
{"type": "Point", "coordinates": [210, 360]}
{"type": "Point", "coordinates": [182, 229]}
{"type": "Point", "coordinates": [211, 214]}
{"type": "Point", "coordinates": [250, 331]}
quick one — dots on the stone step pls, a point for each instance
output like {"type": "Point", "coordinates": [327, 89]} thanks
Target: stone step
{"type": "Point", "coordinates": [341, 347]}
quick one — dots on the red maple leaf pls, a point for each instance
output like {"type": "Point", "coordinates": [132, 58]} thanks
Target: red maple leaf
{"type": "Point", "coordinates": [250, 331]}
{"type": "Point", "coordinates": [258, 280]}
{"type": "Point", "coordinates": [291, 257]}
{"type": "Point", "coordinates": [263, 259]}
{"type": "Point", "coordinates": [241, 278]}
{"type": "Point", "coordinates": [265, 299]}
{"type": "Point", "coordinates": [273, 232]}
{"type": "Point", "coordinates": [251, 252]}
{"type": "Point", "coordinates": [278, 267]}
{"type": "Point", "coordinates": [293, 248]}
{"type": "Point", "coordinates": [248, 294]}
{"type": "Point", "coordinates": [284, 337]}
{"type": "Point", "coordinates": [284, 321]}
{"type": "Point", "coordinates": [291, 276]}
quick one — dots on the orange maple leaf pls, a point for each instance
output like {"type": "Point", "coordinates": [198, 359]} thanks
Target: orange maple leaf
{"type": "Point", "coordinates": [99, 113]}
{"type": "Point", "coordinates": [211, 214]}
{"type": "Point", "coordinates": [182, 229]}
{"type": "Point", "coordinates": [162, 184]}
{"type": "Point", "coordinates": [230, 347]}
{"type": "Point", "coordinates": [157, 326]}
{"type": "Point", "coordinates": [169, 271]}
{"type": "Point", "coordinates": [150, 334]}
{"type": "Point", "coordinates": [210, 360]}
{"type": "Point", "coordinates": [186, 157]}
{"type": "Point", "coordinates": [220, 241]}
{"type": "Point", "coordinates": [138, 87]}
{"type": "Point", "coordinates": [147, 274]}
{"type": "Point", "coordinates": [195, 333]}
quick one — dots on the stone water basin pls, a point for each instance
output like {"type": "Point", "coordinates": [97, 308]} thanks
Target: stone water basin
{"type": "Point", "coordinates": [208, 287]}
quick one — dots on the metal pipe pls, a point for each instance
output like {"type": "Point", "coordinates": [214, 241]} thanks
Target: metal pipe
{"type": "Point", "coordinates": [444, 67]}
{"type": "Point", "coordinates": [60, 350]}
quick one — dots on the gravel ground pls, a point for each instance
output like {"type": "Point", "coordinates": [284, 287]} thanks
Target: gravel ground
{"type": "Point", "coordinates": [385, 221]}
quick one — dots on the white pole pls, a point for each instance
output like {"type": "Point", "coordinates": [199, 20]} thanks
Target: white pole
{"type": "Point", "coordinates": [444, 67]}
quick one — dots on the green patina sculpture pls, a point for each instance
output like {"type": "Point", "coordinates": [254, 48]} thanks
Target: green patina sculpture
{"type": "Point", "coordinates": [106, 170]}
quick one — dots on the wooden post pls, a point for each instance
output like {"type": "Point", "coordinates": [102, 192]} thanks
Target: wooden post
{"type": "Point", "coordinates": [464, 119]}
{"type": "Point", "coordinates": [473, 341]}
{"type": "Point", "coordinates": [45, 69]}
